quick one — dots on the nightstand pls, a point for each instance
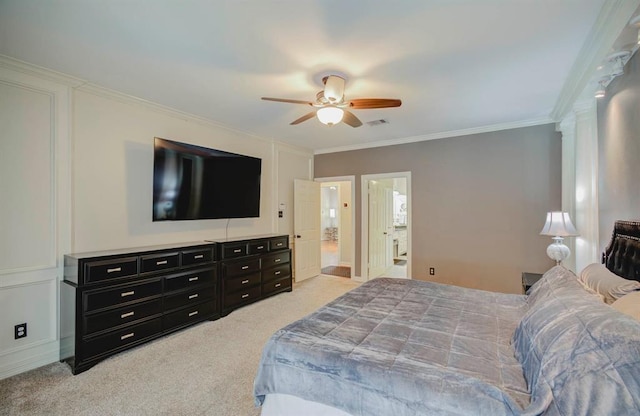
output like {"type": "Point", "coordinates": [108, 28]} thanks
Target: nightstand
{"type": "Point", "coordinates": [528, 279]}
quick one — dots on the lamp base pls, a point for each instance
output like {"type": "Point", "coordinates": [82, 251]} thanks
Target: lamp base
{"type": "Point", "coordinates": [557, 250]}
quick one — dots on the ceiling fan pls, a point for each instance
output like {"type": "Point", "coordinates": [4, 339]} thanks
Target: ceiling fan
{"type": "Point", "coordinates": [331, 106]}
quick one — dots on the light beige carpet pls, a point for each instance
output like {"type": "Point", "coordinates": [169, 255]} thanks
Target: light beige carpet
{"type": "Point", "coordinates": [204, 370]}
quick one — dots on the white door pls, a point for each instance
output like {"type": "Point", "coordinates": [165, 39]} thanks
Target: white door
{"type": "Point", "coordinates": [306, 225]}
{"type": "Point", "coordinates": [380, 232]}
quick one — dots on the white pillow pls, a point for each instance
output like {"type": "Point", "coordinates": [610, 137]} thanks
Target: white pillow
{"type": "Point", "coordinates": [629, 305]}
{"type": "Point", "coordinates": [598, 278]}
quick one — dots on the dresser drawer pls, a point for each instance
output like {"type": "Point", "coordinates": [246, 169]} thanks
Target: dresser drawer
{"type": "Point", "coordinates": [240, 267]}
{"type": "Point", "coordinates": [188, 315]}
{"type": "Point", "coordinates": [121, 338]}
{"type": "Point", "coordinates": [277, 272]}
{"type": "Point", "coordinates": [157, 262]}
{"type": "Point", "coordinates": [276, 286]}
{"type": "Point", "coordinates": [257, 247]}
{"type": "Point", "coordinates": [278, 243]}
{"type": "Point", "coordinates": [189, 297]}
{"type": "Point", "coordinates": [231, 250]}
{"type": "Point", "coordinates": [239, 283]}
{"type": "Point", "coordinates": [197, 256]}
{"type": "Point", "coordinates": [98, 299]}
{"type": "Point", "coordinates": [276, 259]}
{"type": "Point", "coordinates": [189, 280]}
{"type": "Point", "coordinates": [101, 321]}
{"type": "Point", "coordinates": [96, 271]}
{"type": "Point", "coordinates": [243, 296]}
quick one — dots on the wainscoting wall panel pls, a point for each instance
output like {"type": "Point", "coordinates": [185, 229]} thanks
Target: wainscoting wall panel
{"type": "Point", "coordinates": [34, 218]}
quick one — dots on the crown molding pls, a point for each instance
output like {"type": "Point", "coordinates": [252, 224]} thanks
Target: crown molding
{"type": "Point", "coordinates": [23, 67]}
{"type": "Point", "coordinates": [441, 135]}
{"type": "Point", "coordinates": [613, 17]}
{"type": "Point", "coordinates": [79, 84]}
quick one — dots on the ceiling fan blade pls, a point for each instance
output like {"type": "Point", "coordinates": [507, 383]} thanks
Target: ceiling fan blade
{"type": "Point", "coordinates": [351, 119]}
{"type": "Point", "coordinates": [286, 100]}
{"type": "Point", "coordinates": [364, 103]}
{"type": "Point", "coordinates": [303, 118]}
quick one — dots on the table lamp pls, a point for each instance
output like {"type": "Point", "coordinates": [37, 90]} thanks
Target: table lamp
{"type": "Point", "coordinates": [558, 226]}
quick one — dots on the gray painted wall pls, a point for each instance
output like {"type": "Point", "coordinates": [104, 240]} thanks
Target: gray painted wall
{"type": "Point", "coordinates": [478, 202]}
{"type": "Point", "coordinates": [619, 151]}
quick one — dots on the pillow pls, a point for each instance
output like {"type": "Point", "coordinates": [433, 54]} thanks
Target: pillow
{"type": "Point", "coordinates": [598, 278]}
{"type": "Point", "coordinates": [629, 305]}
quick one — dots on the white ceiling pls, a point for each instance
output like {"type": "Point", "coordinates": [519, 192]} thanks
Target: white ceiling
{"type": "Point", "coordinates": [456, 64]}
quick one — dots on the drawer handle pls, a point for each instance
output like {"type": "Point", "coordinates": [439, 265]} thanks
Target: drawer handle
{"type": "Point", "coordinates": [123, 294]}
{"type": "Point", "coordinates": [159, 263]}
{"type": "Point", "coordinates": [278, 284]}
{"type": "Point", "coordinates": [193, 296]}
{"type": "Point", "coordinates": [277, 260]}
{"type": "Point", "coordinates": [115, 269]}
{"type": "Point", "coordinates": [244, 282]}
{"type": "Point", "coordinates": [277, 272]}
{"type": "Point", "coordinates": [260, 247]}
{"type": "Point", "coordinates": [193, 279]}
{"type": "Point", "coordinates": [126, 315]}
{"type": "Point", "coordinates": [193, 313]}
{"type": "Point", "coordinates": [246, 295]}
{"type": "Point", "coordinates": [245, 267]}
{"type": "Point", "coordinates": [279, 245]}
{"type": "Point", "coordinates": [238, 250]}
{"type": "Point", "coordinates": [199, 256]}
{"type": "Point", "coordinates": [127, 336]}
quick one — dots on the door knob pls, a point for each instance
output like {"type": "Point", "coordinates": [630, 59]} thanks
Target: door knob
{"type": "Point", "coordinates": [298, 236]}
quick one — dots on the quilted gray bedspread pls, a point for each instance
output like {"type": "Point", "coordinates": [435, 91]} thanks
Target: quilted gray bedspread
{"type": "Point", "coordinates": [402, 347]}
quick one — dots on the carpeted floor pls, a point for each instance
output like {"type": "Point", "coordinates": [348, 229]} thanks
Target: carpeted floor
{"type": "Point", "coordinates": [342, 271]}
{"type": "Point", "coordinates": [204, 370]}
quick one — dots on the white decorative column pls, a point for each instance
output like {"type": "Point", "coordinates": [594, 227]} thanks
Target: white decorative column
{"type": "Point", "coordinates": [568, 130]}
{"type": "Point", "coordinates": [586, 192]}
{"type": "Point", "coordinates": [580, 181]}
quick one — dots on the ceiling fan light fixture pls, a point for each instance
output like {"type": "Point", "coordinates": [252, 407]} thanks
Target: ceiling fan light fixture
{"type": "Point", "coordinates": [330, 115]}
{"type": "Point", "coordinates": [334, 88]}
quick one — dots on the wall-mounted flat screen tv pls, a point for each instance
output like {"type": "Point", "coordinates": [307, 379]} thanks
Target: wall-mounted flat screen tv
{"type": "Point", "coordinates": [193, 183]}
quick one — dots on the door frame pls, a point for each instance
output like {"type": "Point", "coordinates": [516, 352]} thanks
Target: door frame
{"type": "Point", "coordinates": [364, 217]}
{"type": "Point", "coordinates": [352, 179]}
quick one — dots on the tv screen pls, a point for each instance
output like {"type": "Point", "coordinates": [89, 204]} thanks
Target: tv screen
{"type": "Point", "coordinates": [193, 182]}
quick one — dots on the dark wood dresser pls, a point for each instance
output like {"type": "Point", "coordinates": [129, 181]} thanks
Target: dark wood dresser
{"type": "Point", "coordinates": [253, 269]}
{"type": "Point", "coordinates": [114, 300]}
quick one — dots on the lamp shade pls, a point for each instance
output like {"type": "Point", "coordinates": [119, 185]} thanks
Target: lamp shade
{"type": "Point", "coordinates": [559, 224]}
{"type": "Point", "coordinates": [330, 115]}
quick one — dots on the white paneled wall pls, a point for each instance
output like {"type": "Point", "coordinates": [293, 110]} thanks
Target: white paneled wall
{"type": "Point", "coordinates": [108, 162]}
{"type": "Point", "coordinates": [34, 213]}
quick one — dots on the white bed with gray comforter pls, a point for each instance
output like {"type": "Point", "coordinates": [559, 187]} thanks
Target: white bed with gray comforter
{"type": "Point", "coordinates": [404, 347]}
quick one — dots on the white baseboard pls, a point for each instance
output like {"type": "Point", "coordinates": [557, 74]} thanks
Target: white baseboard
{"type": "Point", "coordinates": [29, 358]}
{"type": "Point", "coordinates": [358, 279]}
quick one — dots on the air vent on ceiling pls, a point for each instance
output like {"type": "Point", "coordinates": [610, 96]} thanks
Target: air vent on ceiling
{"type": "Point", "coordinates": [377, 122]}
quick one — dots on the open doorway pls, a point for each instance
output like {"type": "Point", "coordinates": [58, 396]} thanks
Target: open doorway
{"type": "Point", "coordinates": [386, 225]}
{"type": "Point", "coordinates": [336, 218]}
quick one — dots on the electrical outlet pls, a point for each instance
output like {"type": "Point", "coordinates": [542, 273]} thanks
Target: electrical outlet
{"type": "Point", "coordinates": [432, 271]}
{"type": "Point", "coordinates": [20, 331]}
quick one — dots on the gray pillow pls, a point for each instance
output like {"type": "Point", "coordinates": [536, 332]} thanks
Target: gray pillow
{"type": "Point", "coordinates": [597, 278]}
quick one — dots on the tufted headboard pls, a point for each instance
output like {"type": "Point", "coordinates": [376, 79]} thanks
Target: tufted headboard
{"type": "Point", "coordinates": [622, 255]}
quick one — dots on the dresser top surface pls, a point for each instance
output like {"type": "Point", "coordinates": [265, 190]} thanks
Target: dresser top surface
{"type": "Point", "coordinates": [133, 250]}
{"type": "Point", "coordinates": [246, 238]}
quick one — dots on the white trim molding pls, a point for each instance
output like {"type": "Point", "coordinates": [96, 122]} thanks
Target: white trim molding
{"type": "Point", "coordinates": [441, 135]}
{"type": "Point", "coordinates": [613, 17]}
